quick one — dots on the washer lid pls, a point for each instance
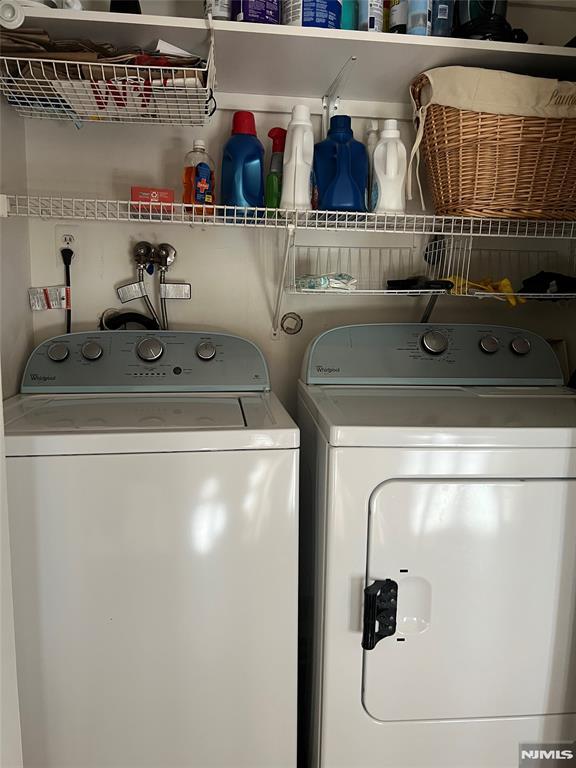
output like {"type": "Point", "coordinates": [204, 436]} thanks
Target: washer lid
{"type": "Point", "coordinates": [37, 425]}
{"type": "Point", "coordinates": [443, 416]}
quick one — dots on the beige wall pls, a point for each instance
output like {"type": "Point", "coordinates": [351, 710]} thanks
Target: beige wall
{"type": "Point", "coordinates": [233, 271]}
{"type": "Point", "coordinates": [547, 22]}
{"type": "Point", "coordinates": [16, 337]}
{"type": "Point", "coordinates": [15, 316]}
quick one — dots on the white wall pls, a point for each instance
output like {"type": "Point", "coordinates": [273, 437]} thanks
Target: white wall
{"type": "Point", "coordinates": [233, 271]}
{"type": "Point", "coordinates": [16, 339]}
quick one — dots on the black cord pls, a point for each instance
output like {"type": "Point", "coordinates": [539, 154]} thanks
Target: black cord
{"type": "Point", "coordinates": [119, 320]}
{"type": "Point", "coordinates": [67, 256]}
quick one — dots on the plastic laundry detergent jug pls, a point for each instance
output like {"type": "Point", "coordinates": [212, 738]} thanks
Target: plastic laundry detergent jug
{"type": "Point", "coordinates": [341, 169]}
{"type": "Point", "coordinates": [389, 174]}
{"type": "Point", "coordinates": [243, 164]}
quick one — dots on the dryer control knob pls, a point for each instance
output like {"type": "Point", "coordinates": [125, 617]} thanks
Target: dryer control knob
{"type": "Point", "coordinates": [149, 349]}
{"type": "Point", "coordinates": [58, 352]}
{"type": "Point", "coordinates": [520, 345]}
{"type": "Point", "coordinates": [92, 350]}
{"type": "Point", "coordinates": [206, 350]}
{"type": "Point", "coordinates": [434, 342]}
{"type": "Point", "coordinates": [489, 344]}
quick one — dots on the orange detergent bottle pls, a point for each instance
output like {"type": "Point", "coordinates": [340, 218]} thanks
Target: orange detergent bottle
{"type": "Point", "coordinates": [198, 179]}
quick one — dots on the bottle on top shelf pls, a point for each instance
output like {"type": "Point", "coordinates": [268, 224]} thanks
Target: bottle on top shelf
{"type": "Point", "coordinates": [398, 16]}
{"type": "Point", "coordinates": [419, 17]}
{"type": "Point", "coordinates": [371, 15]}
{"type": "Point", "coordinates": [442, 18]}
{"type": "Point", "coordinates": [198, 178]}
{"type": "Point", "coordinates": [386, 16]}
{"type": "Point", "coordinates": [220, 9]}
{"type": "Point", "coordinates": [312, 13]}
{"type": "Point", "coordinates": [256, 11]}
{"type": "Point", "coordinates": [349, 14]}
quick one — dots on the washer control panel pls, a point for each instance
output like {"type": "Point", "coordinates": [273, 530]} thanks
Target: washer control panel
{"type": "Point", "coordinates": [431, 354]}
{"type": "Point", "coordinates": [144, 361]}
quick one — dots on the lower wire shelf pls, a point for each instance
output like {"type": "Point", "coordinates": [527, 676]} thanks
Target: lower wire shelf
{"type": "Point", "coordinates": [445, 266]}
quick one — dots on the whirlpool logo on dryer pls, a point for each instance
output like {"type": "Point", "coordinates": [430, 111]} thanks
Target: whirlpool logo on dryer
{"type": "Point", "coordinates": [323, 369]}
{"type": "Point", "coordinates": [41, 377]}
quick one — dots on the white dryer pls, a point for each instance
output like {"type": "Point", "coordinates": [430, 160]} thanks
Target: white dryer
{"type": "Point", "coordinates": [438, 547]}
{"type": "Point", "coordinates": [152, 485]}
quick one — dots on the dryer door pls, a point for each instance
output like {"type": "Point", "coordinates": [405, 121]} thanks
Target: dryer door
{"type": "Point", "coordinates": [484, 617]}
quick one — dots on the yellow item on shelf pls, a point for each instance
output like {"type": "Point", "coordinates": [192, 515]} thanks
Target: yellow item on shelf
{"type": "Point", "coordinates": [503, 286]}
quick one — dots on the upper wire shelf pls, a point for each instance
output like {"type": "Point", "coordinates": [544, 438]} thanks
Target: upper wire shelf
{"type": "Point", "coordinates": [49, 207]}
{"type": "Point", "coordinates": [80, 91]}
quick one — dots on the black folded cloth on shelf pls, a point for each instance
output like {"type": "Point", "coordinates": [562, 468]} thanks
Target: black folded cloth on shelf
{"type": "Point", "coordinates": [550, 283]}
{"type": "Point", "coordinates": [419, 283]}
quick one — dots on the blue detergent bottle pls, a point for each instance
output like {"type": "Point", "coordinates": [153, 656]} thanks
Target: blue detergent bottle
{"type": "Point", "coordinates": [341, 169]}
{"type": "Point", "coordinates": [243, 165]}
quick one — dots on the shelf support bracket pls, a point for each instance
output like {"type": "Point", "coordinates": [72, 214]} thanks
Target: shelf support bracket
{"type": "Point", "coordinates": [331, 99]}
{"type": "Point", "coordinates": [3, 206]}
{"type": "Point", "coordinates": [288, 244]}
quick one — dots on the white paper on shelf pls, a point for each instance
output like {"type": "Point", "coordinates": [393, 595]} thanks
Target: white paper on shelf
{"type": "Point", "coordinates": [167, 49]}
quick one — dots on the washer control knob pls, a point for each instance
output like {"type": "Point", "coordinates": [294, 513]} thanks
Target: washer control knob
{"type": "Point", "coordinates": [489, 344]}
{"type": "Point", "coordinates": [58, 352]}
{"type": "Point", "coordinates": [434, 342]}
{"type": "Point", "coordinates": [206, 350]}
{"type": "Point", "coordinates": [149, 349]}
{"type": "Point", "coordinates": [520, 345]}
{"type": "Point", "coordinates": [92, 350]}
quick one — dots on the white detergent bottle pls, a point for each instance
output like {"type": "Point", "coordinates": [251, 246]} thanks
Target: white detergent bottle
{"type": "Point", "coordinates": [298, 156]}
{"type": "Point", "coordinates": [372, 138]}
{"type": "Point", "coordinates": [389, 178]}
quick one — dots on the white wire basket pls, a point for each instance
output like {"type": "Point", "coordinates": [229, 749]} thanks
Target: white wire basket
{"type": "Point", "coordinates": [111, 93]}
{"type": "Point", "coordinates": [354, 271]}
{"type": "Point", "coordinates": [442, 266]}
{"type": "Point", "coordinates": [524, 270]}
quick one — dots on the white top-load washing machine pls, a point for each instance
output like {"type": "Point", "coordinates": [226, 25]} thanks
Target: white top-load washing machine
{"type": "Point", "coordinates": [438, 547]}
{"type": "Point", "coordinates": [152, 483]}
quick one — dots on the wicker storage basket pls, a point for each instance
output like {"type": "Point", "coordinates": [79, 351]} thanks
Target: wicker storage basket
{"type": "Point", "coordinates": [482, 164]}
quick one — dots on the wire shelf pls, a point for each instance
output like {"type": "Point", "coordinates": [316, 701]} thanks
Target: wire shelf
{"type": "Point", "coordinates": [507, 275]}
{"type": "Point", "coordinates": [113, 93]}
{"type": "Point", "coordinates": [94, 209]}
{"type": "Point", "coordinates": [359, 271]}
{"type": "Point", "coordinates": [521, 268]}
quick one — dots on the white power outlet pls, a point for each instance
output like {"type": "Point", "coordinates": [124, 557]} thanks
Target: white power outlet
{"type": "Point", "coordinates": [66, 236]}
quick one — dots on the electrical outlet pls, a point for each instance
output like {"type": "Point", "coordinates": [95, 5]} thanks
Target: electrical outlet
{"type": "Point", "coordinates": [66, 236]}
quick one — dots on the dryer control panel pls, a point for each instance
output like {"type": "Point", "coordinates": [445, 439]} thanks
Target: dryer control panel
{"type": "Point", "coordinates": [431, 354]}
{"type": "Point", "coordinates": [141, 361]}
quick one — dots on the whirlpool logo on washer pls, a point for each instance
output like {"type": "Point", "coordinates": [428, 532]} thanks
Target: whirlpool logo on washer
{"type": "Point", "coordinates": [546, 754]}
{"type": "Point", "coordinates": [324, 369]}
{"type": "Point", "coordinates": [41, 377]}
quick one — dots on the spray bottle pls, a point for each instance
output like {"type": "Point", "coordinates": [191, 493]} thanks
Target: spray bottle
{"type": "Point", "coordinates": [273, 190]}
